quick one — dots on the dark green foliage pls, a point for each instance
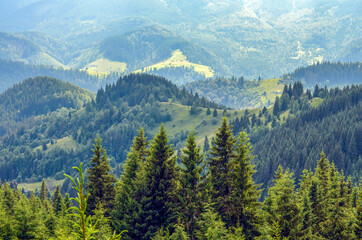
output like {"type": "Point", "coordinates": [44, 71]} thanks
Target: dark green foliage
{"type": "Point", "coordinates": [127, 200]}
{"type": "Point", "coordinates": [116, 114]}
{"type": "Point", "coordinates": [157, 199]}
{"type": "Point", "coordinates": [58, 202]}
{"type": "Point", "coordinates": [281, 207]}
{"type": "Point", "coordinates": [214, 113]}
{"type": "Point", "coordinates": [43, 191]}
{"type": "Point", "coordinates": [244, 194]}
{"type": "Point", "coordinates": [327, 73]}
{"type": "Point", "coordinates": [189, 192]}
{"type": "Point", "coordinates": [276, 109]}
{"type": "Point", "coordinates": [158, 88]}
{"type": "Point", "coordinates": [220, 154]}
{"type": "Point", "coordinates": [158, 186]}
{"type": "Point", "coordinates": [206, 145]}
{"type": "Point", "coordinates": [297, 143]}
{"type": "Point", "coordinates": [100, 180]}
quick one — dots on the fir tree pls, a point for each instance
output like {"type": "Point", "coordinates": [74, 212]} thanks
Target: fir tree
{"type": "Point", "coordinates": [100, 180]}
{"type": "Point", "coordinates": [126, 204]}
{"type": "Point", "coordinates": [282, 208]}
{"type": "Point", "coordinates": [244, 194]}
{"type": "Point", "coordinates": [43, 191]}
{"type": "Point", "coordinates": [206, 145]}
{"type": "Point", "coordinates": [276, 108]}
{"type": "Point", "coordinates": [190, 177]}
{"type": "Point", "coordinates": [58, 201]}
{"type": "Point", "coordinates": [214, 113]}
{"type": "Point", "coordinates": [211, 226]}
{"type": "Point", "coordinates": [320, 204]}
{"type": "Point", "coordinates": [221, 153]}
{"type": "Point", "coordinates": [158, 186]}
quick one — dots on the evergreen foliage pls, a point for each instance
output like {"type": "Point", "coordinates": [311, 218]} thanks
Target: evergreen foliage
{"type": "Point", "coordinates": [158, 188]}
{"type": "Point", "coordinates": [244, 194]}
{"type": "Point", "coordinates": [220, 154]}
{"type": "Point", "coordinates": [189, 193]}
{"type": "Point", "coordinates": [100, 180]}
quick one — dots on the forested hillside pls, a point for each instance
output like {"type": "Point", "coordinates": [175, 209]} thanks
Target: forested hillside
{"type": "Point", "coordinates": [238, 92]}
{"type": "Point", "coordinates": [66, 119]}
{"type": "Point", "coordinates": [331, 124]}
{"type": "Point", "coordinates": [157, 198]}
{"type": "Point", "coordinates": [329, 74]}
{"type": "Point", "coordinates": [15, 72]}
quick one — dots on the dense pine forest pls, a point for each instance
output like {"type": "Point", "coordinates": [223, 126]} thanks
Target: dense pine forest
{"type": "Point", "coordinates": [40, 112]}
{"type": "Point", "coordinates": [160, 196]}
{"type": "Point", "coordinates": [171, 188]}
{"type": "Point", "coordinates": [325, 119]}
{"type": "Point", "coordinates": [327, 74]}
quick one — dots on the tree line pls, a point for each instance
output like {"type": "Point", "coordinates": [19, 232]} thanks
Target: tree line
{"type": "Point", "coordinates": [194, 197]}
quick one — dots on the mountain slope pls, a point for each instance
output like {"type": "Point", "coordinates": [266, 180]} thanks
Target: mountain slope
{"type": "Point", "coordinates": [39, 96]}
{"type": "Point", "coordinates": [333, 126]}
{"type": "Point", "coordinates": [249, 38]}
{"type": "Point", "coordinates": [15, 72]}
{"type": "Point", "coordinates": [19, 48]}
{"type": "Point", "coordinates": [145, 47]}
{"type": "Point", "coordinates": [66, 121]}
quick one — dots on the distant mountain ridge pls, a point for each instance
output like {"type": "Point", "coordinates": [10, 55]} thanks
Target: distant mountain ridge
{"type": "Point", "coordinates": [249, 38]}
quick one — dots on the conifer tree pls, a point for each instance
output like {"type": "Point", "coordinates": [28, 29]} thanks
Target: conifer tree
{"type": "Point", "coordinates": [126, 203]}
{"type": "Point", "coordinates": [221, 153]}
{"type": "Point", "coordinates": [214, 113]}
{"type": "Point", "coordinates": [158, 186]}
{"type": "Point", "coordinates": [211, 226]}
{"type": "Point", "coordinates": [323, 182]}
{"type": "Point", "coordinates": [276, 108]}
{"type": "Point", "coordinates": [243, 202]}
{"type": "Point", "coordinates": [281, 206]}
{"type": "Point", "coordinates": [206, 145]}
{"type": "Point", "coordinates": [190, 177]}
{"type": "Point", "coordinates": [58, 201]}
{"type": "Point", "coordinates": [338, 216]}
{"type": "Point", "coordinates": [43, 191]}
{"type": "Point", "coordinates": [100, 180]}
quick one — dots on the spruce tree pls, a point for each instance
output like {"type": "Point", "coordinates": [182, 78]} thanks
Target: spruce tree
{"type": "Point", "coordinates": [190, 191]}
{"type": "Point", "coordinates": [214, 113]}
{"type": "Point", "coordinates": [100, 180]}
{"type": "Point", "coordinates": [43, 191]}
{"type": "Point", "coordinates": [243, 201]}
{"type": "Point", "coordinates": [323, 182]}
{"type": "Point", "coordinates": [158, 186]}
{"type": "Point", "coordinates": [58, 202]}
{"type": "Point", "coordinates": [206, 145]}
{"type": "Point", "coordinates": [281, 206]}
{"type": "Point", "coordinates": [276, 108]}
{"type": "Point", "coordinates": [221, 153]}
{"type": "Point", "coordinates": [126, 203]}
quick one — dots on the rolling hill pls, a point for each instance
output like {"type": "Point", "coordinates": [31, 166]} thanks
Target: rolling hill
{"type": "Point", "coordinates": [54, 123]}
